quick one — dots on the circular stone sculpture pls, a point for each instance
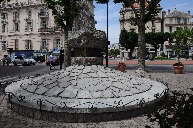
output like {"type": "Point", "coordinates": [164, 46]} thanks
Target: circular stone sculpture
{"type": "Point", "coordinates": [83, 90]}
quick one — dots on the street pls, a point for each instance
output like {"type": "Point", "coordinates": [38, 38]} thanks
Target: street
{"type": "Point", "coordinates": [43, 69]}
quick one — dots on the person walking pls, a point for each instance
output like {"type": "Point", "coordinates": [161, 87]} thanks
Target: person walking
{"type": "Point", "coordinates": [51, 58]}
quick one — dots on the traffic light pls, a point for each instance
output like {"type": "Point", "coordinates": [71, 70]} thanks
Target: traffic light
{"type": "Point", "coordinates": [62, 55]}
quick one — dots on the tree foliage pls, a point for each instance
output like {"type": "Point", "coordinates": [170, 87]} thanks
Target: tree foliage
{"type": "Point", "coordinates": [114, 52]}
{"type": "Point", "coordinates": [128, 40]}
{"type": "Point", "coordinates": [142, 16]}
{"type": "Point", "coordinates": [155, 39]}
{"type": "Point", "coordinates": [176, 110]}
{"type": "Point", "coordinates": [64, 10]}
{"type": "Point", "coordinates": [183, 39]}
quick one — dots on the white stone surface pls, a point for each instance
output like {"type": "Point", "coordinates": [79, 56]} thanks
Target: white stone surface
{"type": "Point", "coordinates": [82, 87]}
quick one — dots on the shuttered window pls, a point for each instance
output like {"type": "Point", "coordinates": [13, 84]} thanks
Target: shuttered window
{"type": "Point", "coordinates": [16, 44]}
{"type": "Point", "coordinates": [4, 45]}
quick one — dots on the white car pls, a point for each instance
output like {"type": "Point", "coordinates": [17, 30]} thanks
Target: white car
{"type": "Point", "coordinates": [32, 61]}
{"type": "Point", "coordinates": [21, 60]}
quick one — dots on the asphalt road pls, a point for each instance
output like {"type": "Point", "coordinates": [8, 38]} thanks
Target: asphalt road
{"type": "Point", "coordinates": [43, 69]}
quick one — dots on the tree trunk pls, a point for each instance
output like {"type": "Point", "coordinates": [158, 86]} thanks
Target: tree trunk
{"type": "Point", "coordinates": [66, 49]}
{"type": "Point", "coordinates": [141, 39]}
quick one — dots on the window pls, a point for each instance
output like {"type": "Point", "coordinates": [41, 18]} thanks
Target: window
{"type": "Point", "coordinates": [4, 4]}
{"type": "Point", "coordinates": [44, 44]}
{"type": "Point", "coordinates": [15, 15]}
{"type": "Point", "coordinates": [3, 16]}
{"type": "Point", "coordinates": [170, 29]}
{"type": "Point", "coordinates": [132, 30]}
{"type": "Point", "coordinates": [29, 26]}
{"type": "Point", "coordinates": [153, 30]}
{"type": "Point", "coordinates": [29, 2]}
{"type": "Point", "coordinates": [44, 24]}
{"type": "Point", "coordinates": [178, 20]}
{"type": "Point", "coordinates": [153, 23]}
{"type": "Point", "coordinates": [16, 27]}
{"type": "Point", "coordinates": [177, 28]}
{"type": "Point", "coordinates": [28, 44]}
{"type": "Point", "coordinates": [4, 46]}
{"type": "Point", "coordinates": [57, 43]}
{"type": "Point", "coordinates": [185, 20]}
{"type": "Point", "coordinates": [171, 20]}
{"type": "Point", "coordinates": [16, 44]}
{"type": "Point", "coordinates": [43, 12]}
{"type": "Point", "coordinates": [4, 26]}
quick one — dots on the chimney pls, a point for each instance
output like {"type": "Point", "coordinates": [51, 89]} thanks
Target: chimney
{"type": "Point", "coordinates": [188, 12]}
{"type": "Point", "coordinates": [168, 11]}
{"type": "Point", "coordinates": [163, 14]}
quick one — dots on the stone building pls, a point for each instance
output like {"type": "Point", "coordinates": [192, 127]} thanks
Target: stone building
{"type": "Point", "coordinates": [28, 26]}
{"type": "Point", "coordinates": [126, 23]}
{"type": "Point", "coordinates": [172, 22]}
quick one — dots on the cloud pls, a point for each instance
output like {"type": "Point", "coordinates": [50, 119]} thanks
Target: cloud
{"type": "Point", "coordinates": [180, 5]}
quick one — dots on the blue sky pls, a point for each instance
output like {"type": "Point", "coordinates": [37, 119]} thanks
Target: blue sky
{"type": "Point", "coordinates": [114, 24]}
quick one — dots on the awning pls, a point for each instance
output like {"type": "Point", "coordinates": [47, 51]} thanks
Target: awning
{"type": "Point", "coordinates": [24, 53]}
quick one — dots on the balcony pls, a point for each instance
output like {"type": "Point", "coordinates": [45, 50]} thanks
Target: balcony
{"type": "Point", "coordinates": [4, 21]}
{"type": "Point", "coordinates": [52, 29]}
{"type": "Point", "coordinates": [16, 19]}
{"type": "Point", "coordinates": [179, 23]}
{"type": "Point", "coordinates": [43, 14]}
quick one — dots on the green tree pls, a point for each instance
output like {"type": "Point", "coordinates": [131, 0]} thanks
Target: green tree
{"type": "Point", "coordinates": [70, 9]}
{"type": "Point", "coordinates": [128, 40]}
{"type": "Point", "coordinates": [114, 52]}
{"type": "Point", "coordinates": [183, 39]}
{"type": "Point", "coordinates": [155, 39]}
{"type": "Point", "coordinates": [64, 12]}
{"type": "Point", "coordinates": [142, 16]}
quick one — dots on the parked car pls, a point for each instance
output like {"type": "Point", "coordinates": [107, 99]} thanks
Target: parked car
{"type": "Point", "coordinates": [32, 61]}
{"type": "Point", "coordinates": [21, 60]}
{"type": "Point", "coordinates": [55, 62]}
{"type": "Point", "coordinates": [39, 59]}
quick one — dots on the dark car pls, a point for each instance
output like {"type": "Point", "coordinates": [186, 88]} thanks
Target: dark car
{"type": "Point", "coordinates": [55, 62]}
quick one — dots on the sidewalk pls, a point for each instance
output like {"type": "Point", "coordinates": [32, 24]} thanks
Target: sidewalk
{"type": "Point", "coordinates": [148, 62]}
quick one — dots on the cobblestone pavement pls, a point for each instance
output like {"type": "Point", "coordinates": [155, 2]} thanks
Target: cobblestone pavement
{"type": "Point", "coordinates": [9, 119]}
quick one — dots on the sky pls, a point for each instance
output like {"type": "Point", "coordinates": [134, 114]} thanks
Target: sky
{"type": "Point", "coordinates": [100, 12]}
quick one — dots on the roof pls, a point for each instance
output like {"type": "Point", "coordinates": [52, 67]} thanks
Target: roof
{"type": "Point", "coordinates": [177, 13]}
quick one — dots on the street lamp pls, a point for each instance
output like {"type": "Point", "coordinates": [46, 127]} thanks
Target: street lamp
{"type": "Point", "coordinates": [107, 39]}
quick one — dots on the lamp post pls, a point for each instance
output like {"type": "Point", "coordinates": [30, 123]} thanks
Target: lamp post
{"type": "Point", "coordinates": [107, 39]}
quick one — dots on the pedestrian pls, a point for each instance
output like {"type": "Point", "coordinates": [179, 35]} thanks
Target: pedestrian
{"type": "Point", "coordinates": [51, 58]}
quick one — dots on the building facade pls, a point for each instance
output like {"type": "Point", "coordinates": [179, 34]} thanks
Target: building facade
{"type": "Point", "coordinates": [29, 26]}
{"type": "Point", "coordinates": [126, 23]}
{"type": "Point", "coordinates": [172, 22]}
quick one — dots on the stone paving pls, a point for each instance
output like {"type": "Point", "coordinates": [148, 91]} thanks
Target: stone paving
{"type": "Point", "coordinates": [78, 89]}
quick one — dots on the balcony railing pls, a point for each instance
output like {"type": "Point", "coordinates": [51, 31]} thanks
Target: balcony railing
{"type": "Point", "coordinates": [53, 29]}
{"type": "Point", "coordinates": [43, 14]}
{"type": "Point", "coordinates": [182, 22]}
